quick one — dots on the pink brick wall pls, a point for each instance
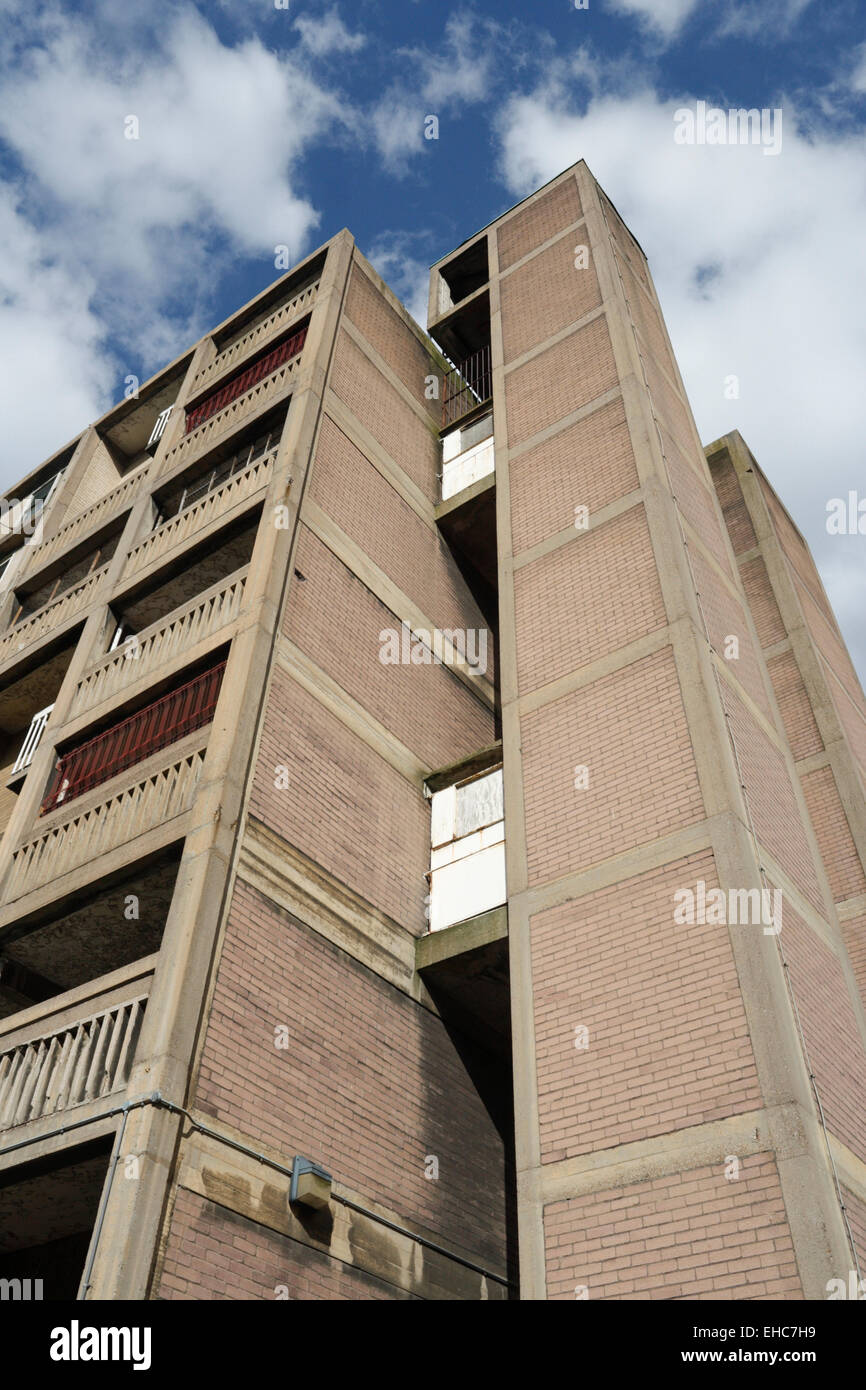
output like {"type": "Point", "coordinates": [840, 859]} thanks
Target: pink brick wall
{"type": "Point", "coordinates": [668, 1040]}
{"type": "Point", "coordinates": [692, 1235]}
{"type": "Point", "coordinates": [371, 1084]}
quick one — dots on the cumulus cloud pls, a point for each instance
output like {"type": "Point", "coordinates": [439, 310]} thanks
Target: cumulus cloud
{"type": "Point", "coordinates": [754, 260]}
{"type": "Point", "coordinates": [441, 83]}
{"type": "Point", "coordinates": [133, 233]}
{"type": "Point", "coordinates": [328, 34]}
{"type": "Point", "coordinates": [663, 17]}
{"type": "Point", "coordinates": [397, 258]}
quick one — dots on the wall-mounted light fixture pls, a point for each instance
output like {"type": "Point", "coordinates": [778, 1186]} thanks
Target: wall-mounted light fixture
{"type": "Point", "coordinates": [311, 1185]}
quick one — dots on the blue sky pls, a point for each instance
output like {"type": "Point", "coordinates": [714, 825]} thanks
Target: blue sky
{"type": "Point", "coordinates": [260, 126]}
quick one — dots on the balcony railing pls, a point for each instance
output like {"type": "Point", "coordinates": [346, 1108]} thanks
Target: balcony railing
{"type": "Point", "coordinates": [246, 380]}
{"type": "Point", "coordinates": [178, 529]}
{"type": "Point", "coordinates": [32, 739]}
{"type": "Point", "coordinates": [467, 860]}
{"type": "Point", "coordinates": [136, 808]}
{"type": "Point", "coordinates": [255, 338]}
{"type": "Point", "coordinates": [151, 729]}
{"type": "Point", "coordinates": [76, 1064]}
{"type": "Point", "coordinates": [52, 615]}
{"type": "Point", "coordinates": [146, 652]}
{"type": "Point", "coordinates": [100, 512]}
{"type": "Point", "coordinates": [467, 385]}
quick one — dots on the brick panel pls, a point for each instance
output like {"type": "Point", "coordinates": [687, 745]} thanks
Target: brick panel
{"type": "Point", "coordinates": [828, 640]}
{"type": "Point", "coordinates": [560, 380]}
{"type": "Point", "coordinates": [795, 548]}
{"type": "Point", "coordinates": [852, 721]}
{"type": "Point", "coordinates": [646, 319]}
{"type": "Point", "coordinates": [630, 730]}
{"type": "Point", "coordinates": [545, 295]}
{"type": "Point", "coordinates": [795, 706]}
{"type": "Point", "coordinates": [592, 596]}
{"type": "Point", "coordinates": [344, 806]}
{"type": "Point", "coordinates": [725, 618]}
{"type": "Point", "coordinates": [373, 514]}
{"type": "Point", "coordinates": [762, 602]}
{"type": "Point", "coordinates": [213, 1253]}
{"type": "Point", "coordinates": [830, 1027]}
{"type": "Point", "coordinates": [773, 805]}
{"type": "Point", "coordinates": [669, 408]}
{"type": "Point", "coordinates": [668, 1039]}
{"type": "Point", "coordinates": [426, 707]}
{"type": "Point", "coordinates": [533, 225]}
{"type": "Point", "coordinates": [624, 241]}
{"type": "Point", "coordinates": [697, 502]}
{"type": "Point", "coordinates": [393, 339]}
{"type": "Point", "coordinates": [833, 833]}
{"type": "Point", "coordinates": [856, 1209]}
{"type": "Point", "coordinates": [371, 1084]}
{"type": "Point", "coordinates": [854, 936]}
{"type": "Point", "coordinates": [733, 503]}
{"type": "Point", "coordinates": [692, 1235]}
{"type": "Point", "coordinates": [381, 410]}
{"type": "Point", "coordinates": [589, 464]}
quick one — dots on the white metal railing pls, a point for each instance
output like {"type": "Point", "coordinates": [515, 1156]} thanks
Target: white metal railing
{"type": "Point", "coordinates": [76, 1064]}
{"type": "Point", "coordinates": [32, 739]}
{"type": "Point", "coordinates": [467, 858]}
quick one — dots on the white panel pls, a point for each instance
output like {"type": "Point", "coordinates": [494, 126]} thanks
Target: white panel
{"type": "Point", "coordinates": [443, 811]}
{"type": "Point", "coordinates": [467, 468]}
{"type": "Point", "coordinates": [467, 887]}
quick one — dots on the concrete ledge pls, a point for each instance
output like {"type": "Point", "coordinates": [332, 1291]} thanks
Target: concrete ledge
{"type": "Point", "coordinates": [464, 936]}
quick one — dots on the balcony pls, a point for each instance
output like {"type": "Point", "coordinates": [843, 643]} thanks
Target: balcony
{"type": "Point", "coordinates": [156, 647]}
{"type": "Point", "coordinates": [213, 507]}
{"type": "Point", "coordinates": [467, 386]}
{"type": "Point", "coordinates": [140, 803]}
{"type": "Point", "coordinates": [99, 514]}
{"type": "Point", "coordinates": [467, 860]}
{"type": "Point", "coordinates": [52, 616]}
{"type": "Point", "coordinates": [250, 393]}
{"type": "Point", "coordinates": [157, 726]}
{"type": "Point", "coordinates": [49, 1066]}
{"type": "Point", "coordinates": [32, 739]}
{"type": "Point", "coordinates": [255, 338]}
{"type": "Point", "coordinates": [467, 456]}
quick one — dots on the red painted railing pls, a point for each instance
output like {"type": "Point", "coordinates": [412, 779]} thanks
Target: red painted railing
{"type": "Point", "coordinates": [248, 378]}
{"type": "Point", "coordinates": [467, 385]}
{"type": "Point", "coordinates": [168, 719]}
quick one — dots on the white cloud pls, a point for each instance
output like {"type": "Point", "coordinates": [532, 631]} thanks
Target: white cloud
{"type": "Point", "coordinates": [395, 256]}
{"type": "Point", "coordinates": [457, 75]}
{"type": "Point", "coordinates": [135, 232]}
{"type": "Point", "coordinates": [328, 34]}
{"type": "Point", "coordinates": [56, 371]}
{"type": "Point", "coordinates": [754, 259]}
{"type": "Point", "coordinates": [761, 19]}
{"type": "Point", "coordinates": [664, 17]}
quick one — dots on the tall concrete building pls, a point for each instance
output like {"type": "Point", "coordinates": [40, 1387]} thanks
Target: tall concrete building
{"type": "Point", "coordinates": [433, 810]}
